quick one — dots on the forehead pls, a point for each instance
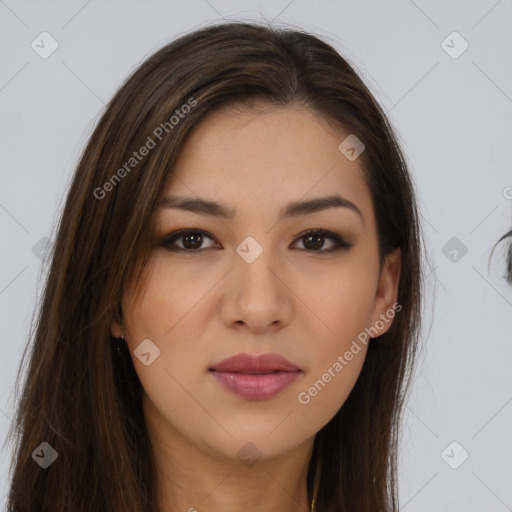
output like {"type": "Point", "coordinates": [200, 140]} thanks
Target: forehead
{"type": "Point", "coordinates": [257, 160]}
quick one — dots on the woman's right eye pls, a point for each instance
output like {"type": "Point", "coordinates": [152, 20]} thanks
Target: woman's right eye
{"type": "Point", "coordinates": [190, 239]}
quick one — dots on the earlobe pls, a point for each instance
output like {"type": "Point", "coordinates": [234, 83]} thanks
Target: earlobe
{"type": "Point", "coordinates": [387, 289]}
{"type": "Point", "coordinates": [115, 330]}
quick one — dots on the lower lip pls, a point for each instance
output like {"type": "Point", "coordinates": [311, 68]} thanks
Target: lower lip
{"type": "Point", "coordinates": [255, 387]}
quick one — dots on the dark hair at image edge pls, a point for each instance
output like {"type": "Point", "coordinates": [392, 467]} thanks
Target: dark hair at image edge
{"type": "Point", "coordinates": [507, 237]}
{"type": "Point", "coordinates": [83, 398]}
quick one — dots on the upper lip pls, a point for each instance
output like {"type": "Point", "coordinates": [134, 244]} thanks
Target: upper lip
{"type": "Point", "coordinates": [258, 363]}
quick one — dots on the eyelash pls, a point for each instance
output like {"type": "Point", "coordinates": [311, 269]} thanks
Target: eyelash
{"type": "Point", "coordinates": [340, 242]}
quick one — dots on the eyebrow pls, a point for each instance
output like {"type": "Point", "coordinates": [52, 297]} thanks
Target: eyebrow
{"type": "Point", "coordinates": [206, 207]}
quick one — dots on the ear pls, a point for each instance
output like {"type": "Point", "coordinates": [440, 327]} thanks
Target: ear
{"type": "Point", "coordinates": [387, 291]}
{"type": "Point", "coordinates": [115, 329]}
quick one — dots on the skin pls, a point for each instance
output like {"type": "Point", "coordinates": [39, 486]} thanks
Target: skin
{"type": "Point", "coordinates": [200, 308]}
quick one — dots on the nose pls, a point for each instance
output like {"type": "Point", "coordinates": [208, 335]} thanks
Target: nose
{"type": "Point", "coordinates": [256, 295]}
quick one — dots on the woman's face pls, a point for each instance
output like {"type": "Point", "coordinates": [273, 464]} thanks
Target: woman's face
{"type": "Point", "coordinates": [255, 283]}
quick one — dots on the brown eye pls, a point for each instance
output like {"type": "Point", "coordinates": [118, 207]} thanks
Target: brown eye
{"type": "Point", "coordinates": [191, 240]}
{"type": "Point", "coordinates": [313, 241]}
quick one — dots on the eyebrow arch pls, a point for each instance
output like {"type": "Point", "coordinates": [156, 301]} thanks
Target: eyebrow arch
{"type": "Point", "coordinates": [294, 209]}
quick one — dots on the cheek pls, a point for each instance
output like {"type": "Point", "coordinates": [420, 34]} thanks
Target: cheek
{"type": "Point", "coordinates": [344, 300]}
{"type": "Point", "coordinates": [343, 297]}
{"type": "Point", "coordinates": [326, 389]}
{"type": "Point", "coordinates": [169, 314]}
{"type": "Point", "coordinates": [171, 294]}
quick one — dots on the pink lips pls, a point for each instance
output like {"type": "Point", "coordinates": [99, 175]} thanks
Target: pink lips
{"type": "Point", "coordinates": [255, 377]}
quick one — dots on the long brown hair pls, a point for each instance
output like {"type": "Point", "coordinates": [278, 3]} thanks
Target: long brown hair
{"type": "Point", "coordinates": [81, 394]}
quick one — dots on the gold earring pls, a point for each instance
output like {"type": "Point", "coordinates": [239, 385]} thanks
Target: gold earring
{"type": "Point", "coordinates": [122, 336]}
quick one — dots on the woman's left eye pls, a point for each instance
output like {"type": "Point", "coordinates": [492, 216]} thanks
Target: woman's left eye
{"type": "Point", "coordinates": [313, 241]}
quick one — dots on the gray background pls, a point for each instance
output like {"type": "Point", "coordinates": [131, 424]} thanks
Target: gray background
{"type": "Point", "coordinates": [454, 120]}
